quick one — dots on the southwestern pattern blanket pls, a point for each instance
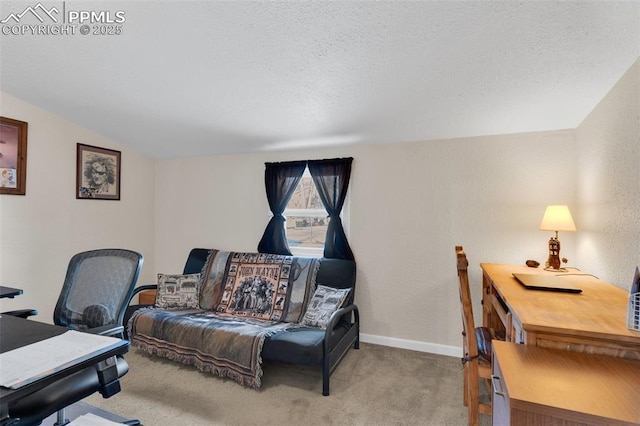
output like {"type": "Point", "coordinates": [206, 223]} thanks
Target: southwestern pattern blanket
{"type": "Point", "coordinates": [259, 295]}
{"type": "Point", "coordinates": [226, 346]}
{"type": "Point", "coordinates": [267, 286]}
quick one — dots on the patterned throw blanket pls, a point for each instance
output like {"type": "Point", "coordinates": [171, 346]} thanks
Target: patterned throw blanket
{"type": "Point", "coordinates": [254, 296]}
{"type": "Point", "coordinates": [267, 286]}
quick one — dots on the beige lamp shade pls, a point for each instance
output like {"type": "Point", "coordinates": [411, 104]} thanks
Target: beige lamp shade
{"type": "Point", "coordinates": [557, 218]}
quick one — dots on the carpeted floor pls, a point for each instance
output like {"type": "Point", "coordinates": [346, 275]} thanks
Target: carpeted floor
{"type": "Point", "coordinates": [375, 385]}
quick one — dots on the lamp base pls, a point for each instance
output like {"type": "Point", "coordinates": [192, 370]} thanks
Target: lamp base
{"type": "Point", "coordinates": [556, 270]}
{"type": "Point", "coordinates": [553, 262]}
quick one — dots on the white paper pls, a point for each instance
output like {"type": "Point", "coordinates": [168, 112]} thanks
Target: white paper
{"type": "Point", "coordinates": [29, 363]}
{"type": "Point", "coordinates": [92, 420]}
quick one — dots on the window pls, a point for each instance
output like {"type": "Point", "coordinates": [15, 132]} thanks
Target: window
{"type": "Point", "coordinates": [307, 219]}
{"type": "Point", "coordinates": [309, 224]}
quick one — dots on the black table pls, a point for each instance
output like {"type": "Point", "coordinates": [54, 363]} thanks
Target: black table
{"type": "Point", "coordinates": [17, 332]}
{"type": "Point", "coordinates": [9, 292]}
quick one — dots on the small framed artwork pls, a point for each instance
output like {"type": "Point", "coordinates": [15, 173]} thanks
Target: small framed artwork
{"type": "Point", "coordinates": [97, 173]}
{"type": "Point", "coordinates": [13, 156]}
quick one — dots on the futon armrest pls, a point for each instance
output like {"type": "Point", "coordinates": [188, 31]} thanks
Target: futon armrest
{"type": "Point", "coordinates": [145, 287]}
{"type": "Point", "coordinates": [22, 313]}
{"type": "Point", "coordinates": [337, 315]}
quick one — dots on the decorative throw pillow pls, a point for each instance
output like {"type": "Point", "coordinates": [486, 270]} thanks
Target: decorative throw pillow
{"type": "Point", "coordinates": [324, 302]}
{"type": "Point", "coordinates": [178, 291]}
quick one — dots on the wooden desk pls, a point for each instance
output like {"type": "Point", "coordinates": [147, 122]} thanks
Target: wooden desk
{"type": "Point", "coordinates": [593, 321]}
{"type": "Point", "coordinates": [536, 386]}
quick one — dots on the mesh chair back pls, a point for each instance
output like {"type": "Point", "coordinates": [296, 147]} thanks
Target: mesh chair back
{"type": "Point", "coordinates": [97, 288]}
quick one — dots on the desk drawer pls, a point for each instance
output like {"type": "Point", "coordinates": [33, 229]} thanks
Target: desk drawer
{"type": "Point", "coordinates": [500, 411]}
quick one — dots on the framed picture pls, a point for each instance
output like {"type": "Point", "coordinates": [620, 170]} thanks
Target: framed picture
{"type": "Point", "coordinates": [13, 156]}
{"type": "Point", "coordinates": [97, 173]}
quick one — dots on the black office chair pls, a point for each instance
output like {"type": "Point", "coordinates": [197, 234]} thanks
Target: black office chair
{"type": "Point", "coordinates": [97, 290]}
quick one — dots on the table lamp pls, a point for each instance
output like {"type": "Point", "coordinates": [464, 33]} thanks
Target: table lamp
{"type": "Point", "coordinates": [556, 218]}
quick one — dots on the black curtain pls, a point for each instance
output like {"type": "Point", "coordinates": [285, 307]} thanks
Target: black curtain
{"type": "Point", "coordinates": [331, 178]}
{"type": "Point", "coordinates": [280, 180]}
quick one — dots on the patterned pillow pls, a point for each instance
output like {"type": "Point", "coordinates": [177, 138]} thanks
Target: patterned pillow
{"type": "Point", "coordinates": [178, 291]}
{"type": "Point", "coordinates": [324, 302]}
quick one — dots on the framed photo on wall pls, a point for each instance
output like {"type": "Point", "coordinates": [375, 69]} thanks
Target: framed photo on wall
{"type": "Point", "coordinates": [97, 173]}
{"type": "Point", "coordinates": [13, 156]}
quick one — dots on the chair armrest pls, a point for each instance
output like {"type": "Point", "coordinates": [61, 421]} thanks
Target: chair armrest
{"type": "Point", "coordinates": [107, 330]}
{"type": "Point", "coordinates": [22, 313]}
{"type": "Point", "coordinates": [31, 408]}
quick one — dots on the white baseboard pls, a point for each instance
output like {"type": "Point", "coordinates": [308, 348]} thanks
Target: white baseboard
{"type": "Point", "coordinates": [413, 345]}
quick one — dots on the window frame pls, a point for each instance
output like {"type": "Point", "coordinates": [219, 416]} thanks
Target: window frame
{"type": "Point", "coordinates": [301, 250]}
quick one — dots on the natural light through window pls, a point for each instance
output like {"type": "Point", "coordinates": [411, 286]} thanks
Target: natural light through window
{"type": "Point", "coordinates": [307, 219]}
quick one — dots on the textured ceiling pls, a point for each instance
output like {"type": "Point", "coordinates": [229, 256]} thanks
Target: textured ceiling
{"type": "Point", "coordinates": [190, 78]}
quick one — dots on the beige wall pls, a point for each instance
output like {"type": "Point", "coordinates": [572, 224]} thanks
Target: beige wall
{"type": "Point", "coordinates": [410, 204]}
{"type": "Point", "coordinates": [609, 183]}
{"type": "Point", "coordinates": [39, 232]}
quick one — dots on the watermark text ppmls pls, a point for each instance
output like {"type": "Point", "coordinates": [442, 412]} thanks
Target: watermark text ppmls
{"type": "Point", "coordinates": [61, 18]}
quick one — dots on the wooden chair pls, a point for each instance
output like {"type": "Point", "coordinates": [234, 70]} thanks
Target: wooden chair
{"type": "Point", "coordinates": [476, 341]}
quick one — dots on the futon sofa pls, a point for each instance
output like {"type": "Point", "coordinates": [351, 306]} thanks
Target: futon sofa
{"type": "Point", "coordinates": [228, 311]}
